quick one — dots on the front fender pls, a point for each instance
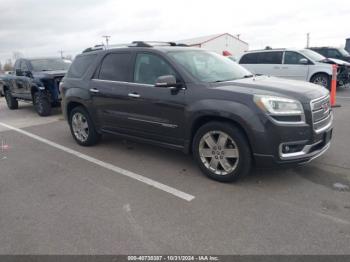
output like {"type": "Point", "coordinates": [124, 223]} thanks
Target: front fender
{"type": "Point", "coordinates": [242, 114]}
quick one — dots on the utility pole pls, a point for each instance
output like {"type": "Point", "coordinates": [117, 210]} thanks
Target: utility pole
{"type": "Point", "coordinates": [307, 40]}
{"type": "Point", "coordinates": [107, 37]}
{"type": "Point", "coordinates": [61, 52]}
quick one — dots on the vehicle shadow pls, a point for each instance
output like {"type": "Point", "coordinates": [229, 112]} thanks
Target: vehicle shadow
{"type": "Point", "coordinates": [177, 162]}
{"type": "Point", "coordinates": [28, 107]}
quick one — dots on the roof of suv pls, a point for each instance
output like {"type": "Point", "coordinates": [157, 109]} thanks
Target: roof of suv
{"type": "Point", "coordinates": [139, 45]}
{"type": "Point", "coordinates": [272, 50]}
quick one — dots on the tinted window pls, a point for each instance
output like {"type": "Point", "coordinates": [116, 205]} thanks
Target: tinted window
{"type": "Point", "coordinates": [333, 53]}
{"type": "Point", "coordinates": [80, 65]}
{"type": "Point", "coordinates": [321, 51]}
{"type": "Point", "coordinates": [292, 58]}
{"type": "Point", "coordinates": [270, 58]}
{"type": "Point", "coordinates": [149, 67]}
{"type": "Point", "coordinates": [116, 67]}
{"type": "Point", "coordinates": [51, 64]}
{"type": "Point", "coordinates": [24, 66]}
{"type": "Point", "coordinates": [249, 58]}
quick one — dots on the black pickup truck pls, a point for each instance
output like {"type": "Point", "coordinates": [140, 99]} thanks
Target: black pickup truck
{"type": "Point", "coordinates": [35, 80]}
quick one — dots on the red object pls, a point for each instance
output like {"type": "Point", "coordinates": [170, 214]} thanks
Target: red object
{"type": "Point", "coordinates": [226, 53]}
{"type": "Point", "coordinates": [334, 85]}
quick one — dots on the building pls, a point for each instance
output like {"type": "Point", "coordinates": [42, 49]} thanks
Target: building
{"type": "Point", "coordinates": [224, 44]}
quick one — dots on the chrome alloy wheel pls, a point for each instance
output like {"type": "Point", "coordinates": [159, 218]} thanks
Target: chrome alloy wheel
{"type": "Point", "coordinates": [321, 80]}
{"type": "Point", "coordinates": [219, 152]}
{"type": "Point", "coordinates": [80, 127]}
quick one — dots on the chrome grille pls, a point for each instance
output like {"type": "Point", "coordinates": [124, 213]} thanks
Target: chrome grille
{"type": "Point", "coordinates": [322, 116]}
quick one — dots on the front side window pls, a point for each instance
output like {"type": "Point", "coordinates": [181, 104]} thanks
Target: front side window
{"type": "Point", "coordinates": [149, 67]}
{"type": "Point", "coordinates": [292, 58]}
{"type": "Point", "coordinates": [208, 66]}
{"type": "Point", "coordinates": [116, 67]}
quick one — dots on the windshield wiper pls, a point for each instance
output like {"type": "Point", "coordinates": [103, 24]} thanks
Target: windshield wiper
{"type": "Point", "coordinates": [226, 80]}
{"type": "Point", "coordinates": [248, 76]}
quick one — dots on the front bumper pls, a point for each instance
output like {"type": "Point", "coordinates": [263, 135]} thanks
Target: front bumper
{"type": "Point", "coordinates": [314, 145]}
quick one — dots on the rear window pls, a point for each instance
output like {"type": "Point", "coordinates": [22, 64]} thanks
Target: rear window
{"type": "Point", "coordinates": [80, 66]}
{"type": "Point", "coordinates": [262, 58]}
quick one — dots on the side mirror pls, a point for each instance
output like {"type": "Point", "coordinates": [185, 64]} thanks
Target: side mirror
{"type": "Point", "coordinates": [166, 81]}
{"type": "Point", "coordinates": [303, 61]}
{"type": "Point", "coordinates": [19, 72]}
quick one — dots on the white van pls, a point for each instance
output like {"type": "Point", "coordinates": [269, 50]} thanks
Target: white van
{"type": "Point", "coordinates": [302, 64]}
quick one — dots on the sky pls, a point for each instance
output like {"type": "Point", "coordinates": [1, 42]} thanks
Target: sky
{"type": "Point", "coordinates": [43, 27]}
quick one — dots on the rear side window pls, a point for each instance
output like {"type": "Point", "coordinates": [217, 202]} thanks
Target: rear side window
{"type": "Point", "coordinates": [333, 53]}
{"type": "Point", "coordinates": [80, 66]}
{"type": "Point", "coordinates": [116, 67]}
{"type": "Point", "coordinates": [249, 58]}
{"type": "Point", "coordinates": [322, 52]}
{"type": "Point", "coordinates": [262, 58]}
{"type": "Point", "coordinates": [270, 58]}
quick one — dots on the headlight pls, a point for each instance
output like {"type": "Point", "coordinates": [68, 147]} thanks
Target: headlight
{"type": "Point", "coordinates": [277, 106]}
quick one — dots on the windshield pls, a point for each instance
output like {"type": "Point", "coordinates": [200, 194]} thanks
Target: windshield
{"type": "Point", "coordinates": [51, 64]}
{"type": "Point", "coordinates": [312, 55]}
{"type": "Point", "coordinates": [343, 52]}
{"type": "Point", "coordinates": [208, 66]}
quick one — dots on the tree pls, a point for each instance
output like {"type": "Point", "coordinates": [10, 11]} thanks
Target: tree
{"type": "Point", "coordinates": [8, 65]}
{"type": "Point", "coordinates": [16, 55]}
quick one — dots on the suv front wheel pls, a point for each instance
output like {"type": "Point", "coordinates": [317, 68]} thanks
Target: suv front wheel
{"type": "Point", "coordinates": [222, 151]}
{"type": "Point", "coordinates": [82, 127]}
{"type": "Point", "coordinates": [42, 103]}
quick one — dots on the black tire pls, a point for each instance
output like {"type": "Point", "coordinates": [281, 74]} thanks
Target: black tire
{"type": "Point", "coordinates": [244, 161]}
{"type": "Point", "coordinates": [12, 102]}
{"type": "Point", "coordinates": [322, 80]}
{"type": "Point", "coordinates": [93, 136]}
{"type": "Point", "coordinates": [42, 103]}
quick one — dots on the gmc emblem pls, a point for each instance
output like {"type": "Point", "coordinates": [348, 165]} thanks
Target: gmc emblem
{"type": "Point", "coordinates": [325, 107]}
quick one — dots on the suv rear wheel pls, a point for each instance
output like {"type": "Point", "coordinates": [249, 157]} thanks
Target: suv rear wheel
{"type": "Point", "coordinates": [82, 127]}
{"type": "Point", "coordinates": [42, 103]}
{"type": "Point", "coordinates": [222, 151]}
{"type": "Point", "coordinates": [12, 102]}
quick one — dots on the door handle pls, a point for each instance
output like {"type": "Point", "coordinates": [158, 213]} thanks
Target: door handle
{"type": "Point", "coordinates": [134, 95]}
{"type": "Point", "coordinates": [94, 90]}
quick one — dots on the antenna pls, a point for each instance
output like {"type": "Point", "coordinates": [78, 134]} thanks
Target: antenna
{"type": "Point", "coordinates": [107, 37]}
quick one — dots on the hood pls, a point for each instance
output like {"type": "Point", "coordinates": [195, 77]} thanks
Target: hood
{"type": "Point", "coordinates": [265, 85]}
{"type": "Point", "coordinates": [336, 61]}
{"type": "Point", "coordinates": [50, 74]}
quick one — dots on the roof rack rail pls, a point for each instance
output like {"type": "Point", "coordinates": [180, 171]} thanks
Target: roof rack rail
{"type": "Point", "coordinates": [95, 48]}
{"type": "Point", "coordinates": [134, 44]}
{"type": "Point", "coordinates": [154, 43]}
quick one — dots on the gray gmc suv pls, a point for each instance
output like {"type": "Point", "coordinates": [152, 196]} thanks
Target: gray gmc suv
{"type": "Point", "coordinates": [198, 102]}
